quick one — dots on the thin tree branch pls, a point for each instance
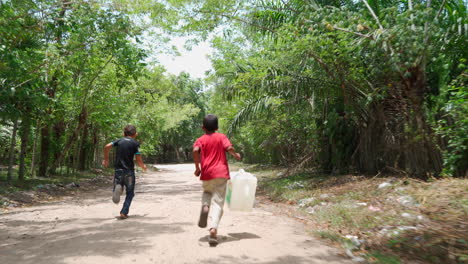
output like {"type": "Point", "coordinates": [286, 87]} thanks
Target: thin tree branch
{"type": "Point", "coordinates": [248, 23]}
{"type": "Point", "coordinates": [94, 78]}
{"type": "Point", "coordinates": [240, 20]}
{"type": "Point", "coordinates": [21, 84]}
{"type": "Point", "coordinates": [373, 14]}
{"type": "Point", "coordinates": [410, 6]}
{"type": "Point", "coordinates": [287, 7]}
{"type": "Point", "coordinates": [440, 9]}
{"type": "Point", "coordinates": [426, 29]}
{"type": "Point", "coordinates": [382, 28]}
{"type": "Point", "coordinates": [426, 24]}
{"type": "Point", "coordinates": [324, 65]}
{"type": "Point", "coordinates": [352, 32]}
{"type": "Point", "coordinates": [346, 30]}
{"type": "Point", "coordinates": [41, 10]}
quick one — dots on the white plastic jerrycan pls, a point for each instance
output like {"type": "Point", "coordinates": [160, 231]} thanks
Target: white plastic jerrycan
{"type": "Point", "coordinates": [240, 194]}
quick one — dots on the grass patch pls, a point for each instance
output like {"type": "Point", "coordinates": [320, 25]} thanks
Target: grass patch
{"type": "Point", "coordinates": [329, 235]}
{"type": "Point", "coordinates": [379, 258]}
{"type": "Point", "coordinates": [32, 183]}
{"type": "Point", "coordinates": [407, 219]}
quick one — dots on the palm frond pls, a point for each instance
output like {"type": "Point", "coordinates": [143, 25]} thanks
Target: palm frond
{"type": "Point", "coordinates": [251, 110]}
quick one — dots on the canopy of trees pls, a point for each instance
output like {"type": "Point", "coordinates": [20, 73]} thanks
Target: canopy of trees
{"type": "Point", "coordinates": [72, 74]}
{"type": "Point", "coordinates": [346, 86]}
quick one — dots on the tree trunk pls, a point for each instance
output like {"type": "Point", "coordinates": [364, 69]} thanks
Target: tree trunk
{"type": "Point", "coordinates": [83, 149]}
{"type": "Point", "coordinates": [45, 151]}
{"type": "Point", "coordinates": [33, 158]}
{"type": "Point", "coordinates": [25, 129]}
{"type": "Point", "coordinates": [58, 129]}
{"type": "Point", "coordinates": [11, 153]}
{"type": "Point", "coordinates": [424, 156]}
{"type": "Point", "coordinates": [76, 153]}
{"type": "Point", "coordinates": [81, 122]}
{"type": "Point", "coordinates": [96, 148]}
{"type": "Point", "coordinates": [176, 149]}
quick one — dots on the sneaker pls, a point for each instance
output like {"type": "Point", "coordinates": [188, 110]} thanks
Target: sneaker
{"type": "Point", "coordinates": [123, 216]}
{"type": "Point", "coordinates": [213, 239]}
{"type": "Point", "coordinates": [203, 222]}
{"type": "Point", "coordinates": [116, 194]}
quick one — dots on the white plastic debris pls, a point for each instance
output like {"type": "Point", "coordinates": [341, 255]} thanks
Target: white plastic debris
{"type": "Point", "coordinates": [354, 258]}
{"type": "Point", "coordinates": [305, 202]}
{"type": "Point", "coordinates": [295, 185]}
{"type": "Point", "coordinates": [384, 185]}
{"type": "Point", "coordinates": [383, 231]}
{"type": "Point", "coordinates": [355, 240]}
{"type": "Point", "coordinates": [311, 210]}
{"type": "Point", "coordinates": [358, 259]}
{"type": "Point", "coordinates": [349, 253]}
{"type": "Point", "coordinates": [407, 200]}
{"type": "Point", "coordinates": [406, 215]}
{"type": "Point", "coordinates": [404, 228]}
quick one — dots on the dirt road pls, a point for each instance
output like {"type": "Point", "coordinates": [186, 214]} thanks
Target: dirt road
{"type": "Point", "coordinates": [161, 229]}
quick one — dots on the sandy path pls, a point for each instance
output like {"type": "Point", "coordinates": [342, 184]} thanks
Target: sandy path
{"type": "Point", "coordinates": [162, 229]}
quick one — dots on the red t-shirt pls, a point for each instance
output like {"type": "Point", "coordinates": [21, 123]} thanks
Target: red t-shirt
{"type": "Point", "coordinates": [213, 156]}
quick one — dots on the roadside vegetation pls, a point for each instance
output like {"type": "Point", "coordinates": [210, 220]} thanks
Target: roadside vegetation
{"type": "Point", "coordinates": [72, 74]}
{"type": "Point", "coordinates": [34, 183]}
{"type": "Point", "coordinates": [382, 220]}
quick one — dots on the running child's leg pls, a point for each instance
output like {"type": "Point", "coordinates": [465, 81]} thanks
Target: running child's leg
{"type": "Point", "coordinates": [206, 202]}
{"type": "Point", "coordinates": [129, 181]}
{"type": "Point", "coordinates": [117, 186]}
{"type": "Point", "coordinates": [217, 202]}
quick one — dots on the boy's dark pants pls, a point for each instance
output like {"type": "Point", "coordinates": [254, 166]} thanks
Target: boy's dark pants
{"type": "Point", "coordinates": [125, 178]}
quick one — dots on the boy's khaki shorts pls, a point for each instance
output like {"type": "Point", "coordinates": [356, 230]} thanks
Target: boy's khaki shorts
{"type": "Point", "coordinates": [214, 193]}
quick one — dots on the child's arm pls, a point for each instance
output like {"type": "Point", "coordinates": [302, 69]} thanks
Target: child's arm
{"type": "Point", "coordinates": [140, 163]}
{"type": "Point", "coordinates": [196, 159]}
{"type": "Point", "coordinates": [233, 153]}
{"type": "Point", "coordinates": [105, 161]}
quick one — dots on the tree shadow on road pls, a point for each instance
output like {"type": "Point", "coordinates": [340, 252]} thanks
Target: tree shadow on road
{"type": "Point", "coordinates": [65, 239]}
{"type": "Point", "coordinates": [287, 259]}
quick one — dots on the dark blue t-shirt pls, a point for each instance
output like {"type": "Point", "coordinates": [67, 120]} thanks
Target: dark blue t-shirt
{"type": "Point", "coordinates": [127, 147]}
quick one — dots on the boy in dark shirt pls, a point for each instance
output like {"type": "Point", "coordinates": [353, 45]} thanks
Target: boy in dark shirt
{"type": "Point", "coordinates": [212, 148]}
{"type": "Point", "coordinates": [127, 148]}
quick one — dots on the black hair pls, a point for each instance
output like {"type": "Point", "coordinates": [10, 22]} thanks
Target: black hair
{"type": "Point", "coordinates": [210, 123]}
{"type": "Point", "coordinates": [129, 130]}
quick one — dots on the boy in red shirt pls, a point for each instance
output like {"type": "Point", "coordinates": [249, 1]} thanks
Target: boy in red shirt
{"type": "Point", "coordinates": [214, 173]}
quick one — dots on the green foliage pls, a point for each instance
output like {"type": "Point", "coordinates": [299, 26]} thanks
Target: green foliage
{"type": "Point", "coordinates": [359, 76]}
{"type": "Point", "coordinates": [77, 72]}
{"type": "Point", "coordinates": [380, 258]}
{"type": "Point", "coordinates": [347, 86]}
{"type": "Point", "coordinates": [454, 127]}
